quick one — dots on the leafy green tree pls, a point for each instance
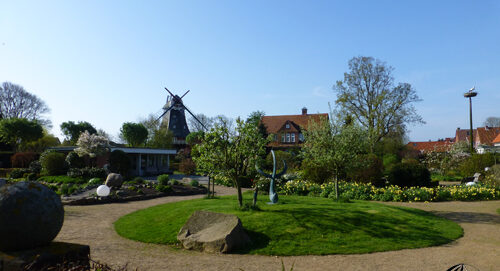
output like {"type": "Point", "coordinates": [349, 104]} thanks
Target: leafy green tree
{"type": "Point", "coordinates": [255, 117]}
{"type": "Point", "coordinates": [368, 93]}
{"type": "Point", "coordinates": [158, 135]}
{"type": "Point", "coordinates": [73, 130]}
{"type": "Point", "coordinates": [18, 132]}
{"type": "Point", "coordinates": [229, 153]}
{"type": "Point", "coordinates": [134, 133]}
{"type": "Point", "coordinates": [330, 149]}
{"type": "Point", "coordinates": [40, 145]}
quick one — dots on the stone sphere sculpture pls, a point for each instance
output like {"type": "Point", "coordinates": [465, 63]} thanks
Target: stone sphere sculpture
{"type": "Point", "coordinates": [31, 215]}
{"type": "Point", "coordinates": [103, 190]}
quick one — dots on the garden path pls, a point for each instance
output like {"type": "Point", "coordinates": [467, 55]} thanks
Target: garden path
{"type": "Point", "coordinates": [93, 225]}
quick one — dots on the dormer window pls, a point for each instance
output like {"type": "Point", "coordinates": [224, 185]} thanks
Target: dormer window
{"type": "Point", "coordinates": [287, 126]}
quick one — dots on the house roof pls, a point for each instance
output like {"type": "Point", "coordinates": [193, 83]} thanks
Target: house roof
{"type": "Point", "coordinates": [462, 135]}
{"type": "Point", "coordinates": [124, 149]}
{"type": "Point", "coordinates": [274, 124]}
{"type": "Point", "coordinates": [496, 140]}
{"type": "Point", "coordinates": [486, 135]}
{"type": "Point", "coordinates": [430, 146]}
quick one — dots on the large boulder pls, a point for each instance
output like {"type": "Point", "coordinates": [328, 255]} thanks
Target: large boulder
{"type": "Point", "coordinates": [213, 232]}
{"type": "Point", "coordinates": [31, 215]}
{"type": "Point", "coordinates": [114, 180]}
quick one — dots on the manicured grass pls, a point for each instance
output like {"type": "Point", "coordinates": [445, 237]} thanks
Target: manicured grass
{"type": "Point", "coordinates": [441, 177]}
{"type": "Point", "coordinates": [302, 225]}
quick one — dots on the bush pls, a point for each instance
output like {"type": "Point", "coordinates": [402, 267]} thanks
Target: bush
{"type": "Point", "coordinates": [315, 172]}
{"type": "Point", "coordinates": [493, 176]}
{"type": "Point", "coordinates": [94, 181]}
{"type": "Point", "coordinates": [476, 163]}
{"type": "Point", "coordinates": [31, 176]}
{"type": "Point", "coordinates": [292, 160]}
{"type": "Point", "coordinates": [22, 159]}
{"type": "Point", "coordinates": [164, 188]}
{"type": "Point", "coordinates": [138, 180]}
{"type": "Point", "coordinates": [53, 163]}
{"type": "Point", "coordinates": [174, 182]}
{"type": "Point", "coordinates": [369, 169]}
{"type": "Point", "coordinates": [119, 162]}
{"type": "Point", "coordinates": [187, 166]}
{"type": "Point", "coordinates": [194, 183]}
{"type": "Point", "coordinates": [61, 179]}
{"type": "Point", "coordinates": [35, 167]}
{"type": "Point", "coordinates": [18, 173]}
{"type": "Point", "coordinates": [74, 160]}
{"type": "Point", "coordinates": [409, 175]}
{"type": "Point", "coordinates": [87, 172]}
{"type": "Point", "coordinates": [163, 179]}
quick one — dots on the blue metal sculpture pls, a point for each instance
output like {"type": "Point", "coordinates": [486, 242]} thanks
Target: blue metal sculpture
{"type": "Point", "coordinates": [273, 196]}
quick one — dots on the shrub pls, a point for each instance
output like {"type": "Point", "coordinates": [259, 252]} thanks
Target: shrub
{"type": "Point", "coordinates": [493, 176]}
{"type": "Point", "coordinates": [163, 179]}
{"type": "Point", "coordinates": [18, 173]}
{"type": "Point", "coordinates": [87, 172]}
{"type": "Point", "coordinates": [194, 183]}
{"type": "Point", "coordinates": [119, 162]}
{"type": "Point", "coordinates": [138, 180]}
{"type": "Point", "coordinates": [53, 163]}
{"type": "Point", "coordinates": [95, 181]}
{"type": "Point", "coordinates": [409, 174]}
{"type": "Point", "coordinates": [315, 172]}
{"type": "Point", "coordinates": [31, 176]}
{"type": "Point", "coordinates": [74, 160]}
{"type": "Point", "coordinates": [369, 169]}
{"type": "Point", "coordinates": [291, 159]}
{"type": "Point", "coordinates": [35, 167]}
{"type": "Point", "coordinates": [174, 182]}
{"type": "Point", "coordinates": [164, 188]}
{"type": "Point", "coordinates": [476, 163]}
{"type": "Point", "coordinates": [187, 166]}
{"type": "Point", "coordinates": [23, 159]}
{"type": "Point", "coordinates": [61, 179]}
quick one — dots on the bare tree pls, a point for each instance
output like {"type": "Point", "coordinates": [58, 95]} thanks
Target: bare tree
{"type": "Point", "coordinates": [16, 102]}
{"type": "Point", "coordinates": [368, 94]}
{"type": "Point", "coordinates": [492, 122]}
{"type": "Point", "coordinates": [195, 126]}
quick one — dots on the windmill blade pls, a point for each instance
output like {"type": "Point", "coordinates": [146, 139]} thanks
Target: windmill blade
{"type": "Point", "coordinates": [166, 110]}
{"type": "Point", "coordinates": [195, 117]}
{"type": "Point", "coordinates": [185, 94]}
{"type": "Point", "coordinates": [169, 92]}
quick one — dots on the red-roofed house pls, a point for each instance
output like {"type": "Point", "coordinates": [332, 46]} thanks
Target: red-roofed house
{"type": "Point", "coordinates": [288, 128]}
{"type": "Point", "coordinates": [442, 145]}
{"type": "Point", "coordinates": [483, 137]}
{"type": "Point", "coordinates": [496, 141]}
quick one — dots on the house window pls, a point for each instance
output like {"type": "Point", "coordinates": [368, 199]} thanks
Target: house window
{"type": "Point", "coordinates": [275, 137]}
{"type": "Point", "coordinates": [287, 137]}
{"type": "Point", "coordinates": [293, 137]}
{"type": "Point", "coordinates": [287, 126]}
{"type": "Point", "coordinates": [301, 137]}
{"type": "Point", "coordinates": [282, 137]}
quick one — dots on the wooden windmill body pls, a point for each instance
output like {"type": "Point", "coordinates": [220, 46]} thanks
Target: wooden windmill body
{"type": "Point", "coordinates": [174, 118]}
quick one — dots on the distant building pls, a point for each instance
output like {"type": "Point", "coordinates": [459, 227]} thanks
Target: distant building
{"type": "Point", "coordinates": [288, 129]}
{"type": "Point", "coordinates": [483, 137]}
{"type": "Point", "coordinates": [441, 145]}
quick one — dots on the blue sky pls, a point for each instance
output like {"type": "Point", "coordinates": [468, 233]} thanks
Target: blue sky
{"type": "Point", "coordinates": [106, 62]}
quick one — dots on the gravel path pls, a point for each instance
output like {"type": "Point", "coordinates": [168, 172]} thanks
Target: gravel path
{"type": "Point", "coordinates": [93, 225]}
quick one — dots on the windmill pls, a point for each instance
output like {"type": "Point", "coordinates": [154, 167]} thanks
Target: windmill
{"type": "Point", "coordinates": [174, 117]}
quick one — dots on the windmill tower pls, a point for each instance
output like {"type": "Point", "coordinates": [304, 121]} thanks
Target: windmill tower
{"type": "Point", "coordinates": [174, 118]}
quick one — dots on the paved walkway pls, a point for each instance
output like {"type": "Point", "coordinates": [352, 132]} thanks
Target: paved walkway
{"type": "Point", "coordinates": [93, 225]}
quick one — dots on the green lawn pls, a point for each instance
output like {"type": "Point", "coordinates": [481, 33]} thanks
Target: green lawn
{"type": "Point", "coordinates": [302, 225]}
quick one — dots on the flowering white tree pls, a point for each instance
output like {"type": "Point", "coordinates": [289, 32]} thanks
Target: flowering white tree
{"type": "Point", "coordinates": [91, 145]}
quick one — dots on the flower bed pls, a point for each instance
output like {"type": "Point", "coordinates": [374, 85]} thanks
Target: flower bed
{"type": "Point", "coordinates": [363, 191]}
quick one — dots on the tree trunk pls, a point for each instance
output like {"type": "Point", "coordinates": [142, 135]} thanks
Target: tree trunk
{"type": "Point", "coordinates": [240, 196]}
{"type": "Point", "coordinates": [255, 193]}
{"type": "Point", "coordinates": [336, 188]}
{"type": "Point", "coordinates": [208, 186]}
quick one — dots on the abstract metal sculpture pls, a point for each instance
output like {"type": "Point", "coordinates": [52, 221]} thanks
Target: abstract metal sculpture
{"type": "Point", "coordinates": [273, 196]}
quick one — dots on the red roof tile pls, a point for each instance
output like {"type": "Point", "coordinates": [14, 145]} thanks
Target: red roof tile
{"type": "Point", "coordinates": [274, 124]}
{"type": "Point", "coordinates": [430, 146]}
{"type": "Point", "coordinates": [486, 135]}
{"type": "Point", "coordinates": [497, 139]}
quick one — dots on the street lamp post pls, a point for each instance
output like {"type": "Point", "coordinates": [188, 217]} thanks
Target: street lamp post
{"type": "Point", "coordinates": [469, 95]}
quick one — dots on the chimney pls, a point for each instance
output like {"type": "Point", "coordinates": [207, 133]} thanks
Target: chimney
{"type": "Point", "coordinates": [304, 111]}
{"type": "Point", "coordinates": [458, 129]}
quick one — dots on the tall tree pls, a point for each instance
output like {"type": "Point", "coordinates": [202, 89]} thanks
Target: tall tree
{"type": "Point", "coordinates": [195, 126]}
{"type": "Point", "coordinates": [158, 135]}
{"type": "Point", "coordinates": [73, 130]}
{"type": "Point", "coordinates": [492, 122]}
{"type": "Point", "coordinates": [229, 154]}
{"type": "Point", "coordinates": [134, 133]}
{"type": "Point", "coordinates": [18, 132]}
{"type": "Point", "coordinates": [369, 94]}
{"type": "Point", "coordinates": [16, 102]}
{"type": "Point", "coordinates": [91, 145]}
